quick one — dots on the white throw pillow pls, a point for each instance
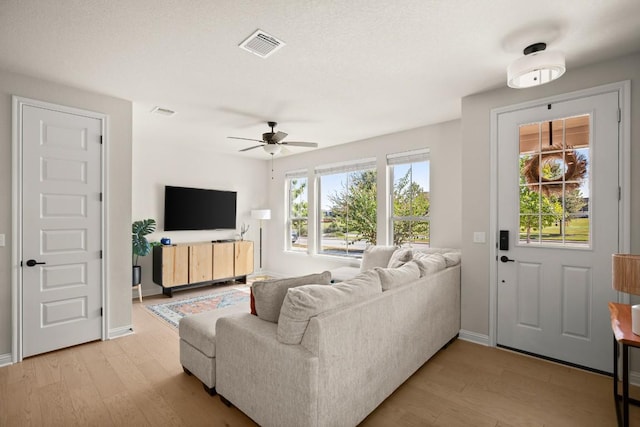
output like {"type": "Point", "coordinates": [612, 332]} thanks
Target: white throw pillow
{"type": "Point", "coordinates": [452, 258]}
{"type": "Point", "coordinates": [391, 278]}
{"type": "Point", "coordinates": [269, 294]}
{"type": "Point", "coordinates": [376, 256]}
{"type": "Point", "coordinates": [399, 258]}
{"type": "Point", "coordinates": [304, 302]}
{"type": "Point", "coordinates": [429, 263]}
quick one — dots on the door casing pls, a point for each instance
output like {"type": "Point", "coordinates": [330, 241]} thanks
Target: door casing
{"type": "Point", "coordinates": [16, 220]}
{"type": "Point", "coordinates": [624, 178]}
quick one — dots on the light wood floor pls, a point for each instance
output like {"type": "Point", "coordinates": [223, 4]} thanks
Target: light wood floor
{"type": "Point", "coordinates": [137, 380]}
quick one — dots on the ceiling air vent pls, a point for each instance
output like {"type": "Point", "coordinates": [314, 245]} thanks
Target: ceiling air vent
{"type": "Point", "coordinates": [163, 111]}
{"type": "Point", "coordinates": [261, 44]}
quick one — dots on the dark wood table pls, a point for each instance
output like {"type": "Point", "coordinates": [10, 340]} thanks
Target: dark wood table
{"type": "Point", "coordinates": [622, 334]}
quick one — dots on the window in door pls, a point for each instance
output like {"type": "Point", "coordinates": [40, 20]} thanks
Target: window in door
{"type": "Point", "coordinates": [555, 182]}
{"type": "Point", "coordinates": [348, 208]}
{"type": "Point", "coordinates": [410, 200]}
{"type": "Point", "coordinates": [298, 211]}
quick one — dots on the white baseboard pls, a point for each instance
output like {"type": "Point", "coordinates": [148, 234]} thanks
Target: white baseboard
{"type": "Point", "coordinates": [474, 337]}
{"type": "Point", "coordinates": [6, 359]}
{"type": "Point", "coordinates": [120, 332]}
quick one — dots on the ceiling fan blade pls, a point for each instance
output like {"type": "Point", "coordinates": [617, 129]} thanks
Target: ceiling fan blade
{"type": "Point", "coordinates": [250, 148]}
{"type": "Point", "coordinates": [279, 136]}
{"type": "Point", "coordinates": [245, 139]}
{"type": "Point", "coordinates": [300, 144]}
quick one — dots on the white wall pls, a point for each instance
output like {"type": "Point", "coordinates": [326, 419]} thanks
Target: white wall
{"type": "Point", "coordinates": [444, 142]}
{"type": "Point", "coordinates": [188, 167]}
{"type": "Point", "coordinates": [118, 190]}
{"type": "Point", "coordinates": [476, 171]}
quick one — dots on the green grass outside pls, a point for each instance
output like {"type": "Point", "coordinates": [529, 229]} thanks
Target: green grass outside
{"type": "Point", "coordinates": [576, 231]}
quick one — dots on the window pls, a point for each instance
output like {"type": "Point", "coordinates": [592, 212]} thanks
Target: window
{"type": "Point", "coordinates": [298, 211]}
{"type": "Point", "coordinates": [554, 182]}
{"type": "Point", "coordinates": [348, 208]}
{"type": "Point", "coordinates": [410, 201]}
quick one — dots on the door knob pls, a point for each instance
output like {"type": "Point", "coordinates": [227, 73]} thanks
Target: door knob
{"type": "Point", "coordinates": [33, 262]}
{"type": "Point", "coordinates": [505, 258]}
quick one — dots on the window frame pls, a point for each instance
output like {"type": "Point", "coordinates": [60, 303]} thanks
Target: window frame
{"type": "Point", "coordinates": [558, 151]}
{"type": "Point", "coordinates": [404, 158]}
{"type": "Point", "coordinates": [335, 169]}
{"type": "Point", "coordinates": [289, 219]}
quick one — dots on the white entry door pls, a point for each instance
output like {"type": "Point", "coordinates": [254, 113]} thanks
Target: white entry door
{"type": "Point", "coordinates": [61, 229]}
{"type": "Point", "coordinates": [558, 201]}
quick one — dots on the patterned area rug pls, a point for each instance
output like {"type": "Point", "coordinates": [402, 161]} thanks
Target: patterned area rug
{"type": "Point", "coordinates": [173, 311]}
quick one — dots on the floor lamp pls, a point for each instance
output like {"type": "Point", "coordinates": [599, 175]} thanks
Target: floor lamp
{"type": "Point", "coordinates": [261, 215]}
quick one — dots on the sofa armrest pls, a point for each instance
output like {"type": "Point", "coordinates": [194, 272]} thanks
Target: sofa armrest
{"type": "Point", "coordinates": [273, 383]}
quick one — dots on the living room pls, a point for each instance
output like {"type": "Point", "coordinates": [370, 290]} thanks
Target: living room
{"type": "Point", "coordinates": [460, 150]}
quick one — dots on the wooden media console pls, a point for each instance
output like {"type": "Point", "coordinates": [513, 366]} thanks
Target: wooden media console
{"type": "Point", "coordinates": [188, 265]}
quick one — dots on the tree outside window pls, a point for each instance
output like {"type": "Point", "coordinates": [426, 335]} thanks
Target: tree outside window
{"type": "Point", "coordinates": [348, 212]}
{"type": "Point", "coordinates": [411, 204]}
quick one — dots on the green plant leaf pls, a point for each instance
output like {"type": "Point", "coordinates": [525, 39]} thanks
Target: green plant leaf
{"type": "Point", "coordinates": [140, 244]}
{"type": "Point", "coordinates": [144, 227]}
{"type": "Point", "coordinates": [141, 247]}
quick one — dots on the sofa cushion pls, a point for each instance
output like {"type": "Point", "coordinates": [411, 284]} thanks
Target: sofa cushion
{"type": "Point", "coordinates": [391, 278]}
{"type": "Point", "coordinates": [199, 330]}
{"type": "Point", "coordinates": [429, 263]}
{"type": "Point", "coordinates": [304, 302]}
{"type": "Point", "coordinates": [252, 300]}
{"type": "Point", "coordinates": [342, 274]}
{"type": "Point", "coordinates": [399, 257]}
{"type": "Point", "coordinates": [269, 294]}
{"type": "Point", "coordinates": [376, 256]}
{"type": "Point", "coordinates": [452, 258]}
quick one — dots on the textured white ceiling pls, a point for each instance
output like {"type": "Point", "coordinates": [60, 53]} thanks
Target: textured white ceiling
{"type": "Point", "coordinates": [350, 70]}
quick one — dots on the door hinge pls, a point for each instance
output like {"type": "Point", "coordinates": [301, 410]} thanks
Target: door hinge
{"type": "Point", "coordinates": [100, 196]}
{"type": "Point", "coordinates": [101, 141]}
{"type": "Point", "coordinates": [101, 312]}
{"type": "Point", "coordinates": [100, 254]}
{"type": "Point", "coordinates": [619, 115]}
{"type": "Point", "coordinates": [619, 193]}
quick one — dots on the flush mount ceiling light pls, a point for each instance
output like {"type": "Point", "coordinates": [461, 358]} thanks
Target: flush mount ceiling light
{"type": "Point", "coordinates": [536, 67]}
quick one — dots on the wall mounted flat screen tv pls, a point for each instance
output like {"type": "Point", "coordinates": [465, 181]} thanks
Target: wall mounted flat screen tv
{"type": "Point", "coordinates": [198, 209]}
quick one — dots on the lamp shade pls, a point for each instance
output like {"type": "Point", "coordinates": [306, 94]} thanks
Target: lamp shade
{"type": "Point", "coordinates": [626, 273]}
{"type": "Point", "coordinates": [261, 214]}
{"type": "Point", "coordinates": [535, 69]}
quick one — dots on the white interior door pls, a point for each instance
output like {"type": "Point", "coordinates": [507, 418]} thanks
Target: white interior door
{"type": "Point", "coordinates": [61, 230]}
{"type": "Point", "coordinates": [558, 199]}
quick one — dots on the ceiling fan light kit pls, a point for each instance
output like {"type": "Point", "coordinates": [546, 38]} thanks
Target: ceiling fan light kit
{"type": "Point", "coordinates": [537, 67]}
{"type": "Point", "coordinates": [272, 142]}
{"type": "Point", "coordinates": [272, 149]}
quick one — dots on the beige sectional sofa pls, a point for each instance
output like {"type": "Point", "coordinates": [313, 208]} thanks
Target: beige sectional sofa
{"type": "Point", "coordinates": [338, 351]}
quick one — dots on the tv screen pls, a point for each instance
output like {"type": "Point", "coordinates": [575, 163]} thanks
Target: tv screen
{"type": "Point", "coordinates": [198, 209]}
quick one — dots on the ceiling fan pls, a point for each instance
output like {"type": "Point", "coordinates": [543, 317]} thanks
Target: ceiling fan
{"type": "Point", "coordinates": [272, 142]}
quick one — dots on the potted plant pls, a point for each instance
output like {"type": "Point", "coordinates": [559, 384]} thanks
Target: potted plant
{"type": "Point", "coordinates": [141, 246]}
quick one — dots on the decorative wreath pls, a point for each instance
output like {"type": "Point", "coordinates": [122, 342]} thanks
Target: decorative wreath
{"type": "Point", "coordinates": [576, 168]}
